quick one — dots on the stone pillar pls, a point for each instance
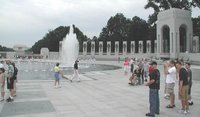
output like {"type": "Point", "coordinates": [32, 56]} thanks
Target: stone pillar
{"type": "Point", "coordinates": [148, 46]}
{"type": "Point", "coordinates": [155, 46]}
{"type": "Point", "coordinates": [85, 48]}
{"type": "Point", "coordinates": [116, 47]}
{"type": "Point", "coordinates": [124, 47]}
{"type": "Point", "coordinates": [108, 47]}
{"type": "Point", "coordinates": [93, 48]}
{"type": "Point", "coordinates": [100, 47]}
{"type": "Point", "coordinates": [60, 49]}
{"type": "Point", "coordinates": [132, 47]}
{"type": "Point", "coordinates": [140, 47]}
{"type": "Point", "coordinates": [195, 44]}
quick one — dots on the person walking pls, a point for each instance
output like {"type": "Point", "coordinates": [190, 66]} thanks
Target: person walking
{"type": "Point", "coordinates": [183, 87]}
{"type": "Point", "coordinates": [76, 74]}
{"type": "Point", "coordinates": [154, 86]}
{"type": "Point", "coordinates": [187, 66]}
{"type": "Point", "coordinates": [170, 83]}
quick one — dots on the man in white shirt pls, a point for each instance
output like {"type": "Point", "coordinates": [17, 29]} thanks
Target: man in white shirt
{"type": "Point", "coordinates": [170, 80]}
{"type": "Point", "coordinates": [1, 64]}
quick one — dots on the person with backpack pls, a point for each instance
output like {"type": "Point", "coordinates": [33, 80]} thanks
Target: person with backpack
{"type": "Point", "coordinates": [10, 80]}
{"type": "Point", "coordinates": [15, 79]}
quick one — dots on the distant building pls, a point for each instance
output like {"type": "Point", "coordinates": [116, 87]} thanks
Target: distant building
{"type": "Point", "coordinates": [44, 52]}
{"type": "Point", "coordinates": [20, 50]}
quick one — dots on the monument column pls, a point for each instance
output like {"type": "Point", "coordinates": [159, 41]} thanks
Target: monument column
{"type": "Point", "coordinates": [100, 47]}
{"type": "Point", "coordinates": [155, 46]}
{"type": "Point", "coordinates": [108, 47]}
{"type": "Point", "coordinates": [116, 47]}
{"type": "Point", "coordinates": [93, 48]}
{"type": "Point", "coordinates": [140, 47]}
{"type": "Point", "coordinates": [85, 48]}
{"type": "Point", "coordinates": [124, 47]}
{"type": "Point", "coordinates": [195, 44]}
{"type": "Point", "coordinates": [148, 46]}
{"type": "Point", "coordinates": [60, 50]}
{"type": "Point", "coordinates": [132, 47]}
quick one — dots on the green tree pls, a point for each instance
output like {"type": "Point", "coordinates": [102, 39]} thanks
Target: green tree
{"type": "Point", "coordinates": [196, 26]}
{"type": "Point", "coordinates": [159, 5]}
{"type": "Point", "coordinates": [116, 30]}
{"type": "Point", "coordinates": [138, 30]}
{"type": "Point", "coordinates": [5, 49]}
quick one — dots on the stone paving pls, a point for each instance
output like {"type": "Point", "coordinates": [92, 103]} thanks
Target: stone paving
{"type": "Point", "coordinates": [99, 94]}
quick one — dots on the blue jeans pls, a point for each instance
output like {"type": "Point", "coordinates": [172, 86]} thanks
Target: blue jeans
{"type": "Point", "coordinates": [154, 101]}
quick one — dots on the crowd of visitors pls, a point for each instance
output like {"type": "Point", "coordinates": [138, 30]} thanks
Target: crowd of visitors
{"type": "Point", "coordinates": [145, 70]}
{"type": "Point", "coordinates": [8, 74]}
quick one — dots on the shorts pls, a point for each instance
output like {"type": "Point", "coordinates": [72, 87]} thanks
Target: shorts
{"type": "Point", "coordinates": [57, 76]}
{"type": "Point", "coordinates": [2, 88]}
{"type": "Point", "coordinates": [170, 88]}
{"type": "Point", "coordinates": [10, 83]}
{"type": "Point", "coordinates": [146, 74]}
{"type": "Point", "coordinates": [184, 94]}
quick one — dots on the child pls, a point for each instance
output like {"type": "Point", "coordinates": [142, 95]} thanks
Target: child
{"type": "Point", "coordinates": [57, 75]}
{"type": "Point", "coordinates": [2, 84]}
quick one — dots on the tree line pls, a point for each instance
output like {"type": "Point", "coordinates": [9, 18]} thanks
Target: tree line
{"type": "Point", "coordinates": [5, 49]}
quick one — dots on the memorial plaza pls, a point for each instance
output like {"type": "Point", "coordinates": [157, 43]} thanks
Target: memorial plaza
{"type": "Point", "coordinates": [104, 91]}
{"type": "Point", "coordinates": [99, 94]}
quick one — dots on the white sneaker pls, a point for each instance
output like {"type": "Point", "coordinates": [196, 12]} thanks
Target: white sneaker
{"type": "Point", "coordinates": [185, 112]}
{"type": "Point", "coordinates": [181, 111]}
{"type": "Point", "coordinates": [188, 110]}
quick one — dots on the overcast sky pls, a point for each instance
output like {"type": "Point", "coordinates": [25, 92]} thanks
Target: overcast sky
{"type": "Point", "coordinates": [27, 21]}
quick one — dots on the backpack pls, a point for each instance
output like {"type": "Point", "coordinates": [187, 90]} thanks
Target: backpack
{"type": "Point", "coordinates": [15, 71]}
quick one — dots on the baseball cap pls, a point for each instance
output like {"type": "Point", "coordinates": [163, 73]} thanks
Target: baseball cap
{"type": "Point", "coordinates": [153, 63]}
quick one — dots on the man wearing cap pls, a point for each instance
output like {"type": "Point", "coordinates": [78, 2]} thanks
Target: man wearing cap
{"type": "Point", "coordinates": [154, 86]}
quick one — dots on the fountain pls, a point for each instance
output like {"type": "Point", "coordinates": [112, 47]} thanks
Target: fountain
{"type": "Point", "coordinates": [70, 49]}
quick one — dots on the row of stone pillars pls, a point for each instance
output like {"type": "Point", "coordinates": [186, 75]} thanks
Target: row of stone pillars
{"type": "Point", "coordinates": [116, 47]}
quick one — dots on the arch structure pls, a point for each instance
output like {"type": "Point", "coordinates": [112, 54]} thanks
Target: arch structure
{"type": "Point", "coordinates": [174, 33]}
